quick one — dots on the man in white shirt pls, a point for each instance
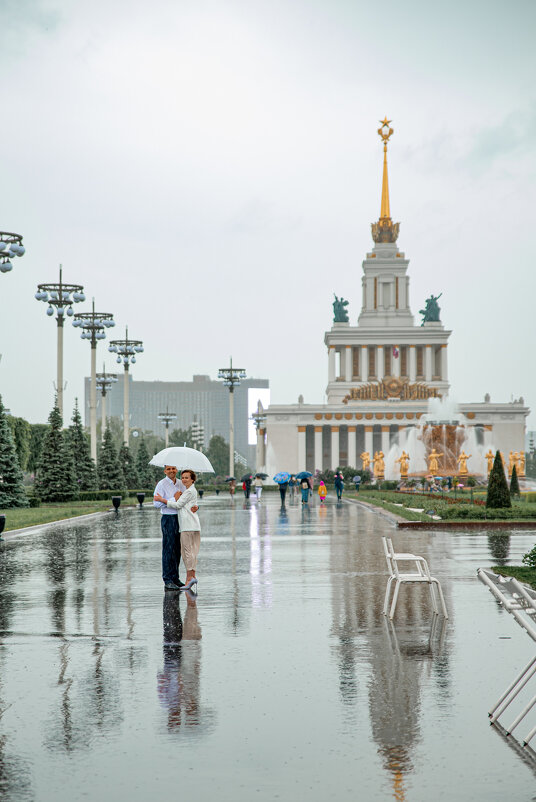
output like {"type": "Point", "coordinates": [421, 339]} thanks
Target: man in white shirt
{"type": "Point", "coordinates": [169, 522]}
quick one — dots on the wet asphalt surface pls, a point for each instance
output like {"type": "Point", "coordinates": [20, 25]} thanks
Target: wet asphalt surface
{"type": "Point", "coordinates": [282, 681]}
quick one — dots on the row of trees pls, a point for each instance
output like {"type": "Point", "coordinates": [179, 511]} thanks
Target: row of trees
{"type": "Point", "coordinates": [61, 462]}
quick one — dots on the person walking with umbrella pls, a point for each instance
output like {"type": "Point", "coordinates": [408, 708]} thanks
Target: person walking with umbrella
{"type": "Point", "coordinates": [282, 480]}
{"type": "Point", "coordinates": [305, 490]}
{"type": "Point", "coordinates": [339, 485]}
{"type": "Point", "coordinates": [246, 483]}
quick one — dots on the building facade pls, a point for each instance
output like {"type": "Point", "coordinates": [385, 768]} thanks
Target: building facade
{"type": "Point", "coordinates": [382, 374]}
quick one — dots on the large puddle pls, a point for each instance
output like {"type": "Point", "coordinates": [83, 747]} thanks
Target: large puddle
{"type": "Point", "coordinates": [283, 681]}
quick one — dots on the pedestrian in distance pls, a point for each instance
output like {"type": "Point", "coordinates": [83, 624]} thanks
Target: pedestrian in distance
{"type": "Point", "coordinates": [304, 488]}
{"type": "Point", "coordinates": [232, 487]}
{"type": "Point", "coordinates": [169, 523]}
{"type": "Point", "coordinates": [357, 482]}
{"type": "Point", "coordinates": [258, 487]}
{"type": "Point", "coordinates": [184, 502]}
{"type": "Point", "coordinates": [339, 485]}
{"type": "Point", "coordinates": [247, 486]}
{"type": "Point", "coordinates": [322, 492]}
{"type": "Point", "coordinates": [283, 487]}
{"type": "Point", "coordinates": [293, 486]}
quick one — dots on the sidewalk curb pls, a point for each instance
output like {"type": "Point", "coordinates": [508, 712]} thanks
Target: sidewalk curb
{"type": "Point", "coordinates": [13, 533]}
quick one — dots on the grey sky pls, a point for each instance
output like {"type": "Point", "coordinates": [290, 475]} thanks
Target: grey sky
{"type": "Point", "coordinates": [209, 171]}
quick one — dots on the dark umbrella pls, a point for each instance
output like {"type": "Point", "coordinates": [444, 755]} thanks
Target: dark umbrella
{"type": "Point", "coordinates": [245, 477]}
{"type": "Point", "coordinates": [230, 479]}
{"type": "Point", "coordinates": [261, 476]}
{"type": "Point", "coordinates": [303, 475]}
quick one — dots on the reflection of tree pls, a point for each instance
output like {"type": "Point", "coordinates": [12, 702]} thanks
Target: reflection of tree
{"type": "Point", "coordinates": [499, 546]}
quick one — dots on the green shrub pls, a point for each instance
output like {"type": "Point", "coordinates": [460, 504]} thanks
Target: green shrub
{"type": "Point", "coordinates": [34, 501]}
{"type": "Point", "coordinates": [498, 494]}
{"type": "Point", "coordinates": [514, 484]}
{"type": "Point", "coordinates": [530, 558]}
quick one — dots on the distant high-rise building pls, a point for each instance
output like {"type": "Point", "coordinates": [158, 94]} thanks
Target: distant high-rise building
{"type": "Point", "coordinates": [202, 400]}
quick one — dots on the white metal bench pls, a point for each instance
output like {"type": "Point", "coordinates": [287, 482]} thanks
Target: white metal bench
{"type": "Point", "coordinates": [421, 575]}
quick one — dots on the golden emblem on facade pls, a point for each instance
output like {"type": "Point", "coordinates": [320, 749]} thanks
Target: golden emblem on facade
{"type": "Point", "coordinates": [392, 387]}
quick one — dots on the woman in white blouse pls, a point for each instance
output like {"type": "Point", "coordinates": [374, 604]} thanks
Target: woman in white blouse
{"type": "Point", "coordinates": [189, 524]}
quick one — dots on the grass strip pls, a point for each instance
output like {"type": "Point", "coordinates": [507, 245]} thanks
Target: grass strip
{"type": "Point", "coordinates": [20, 518]}
{"type": "Point", "coordinates": [520, 572]}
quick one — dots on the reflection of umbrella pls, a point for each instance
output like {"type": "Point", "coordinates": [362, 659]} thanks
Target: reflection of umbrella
{"type": "Point", "coordinates": [303, 475]}
{"type": "Point", "coordinates": [281, 477]}
{"type": "Point", "coordinates": [182, 457]}
{"type": "Point", "coordinates": [261, 476]}
{"type": "Point", "coordinates": [245, 477]}
{"type": "Point", "coordinates": [230, 479]}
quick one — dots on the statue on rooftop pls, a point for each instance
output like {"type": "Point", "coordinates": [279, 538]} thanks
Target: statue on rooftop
{"type": "Point", "coordinates": [340, 315]}
{"type": "Point", "coordinates": [431, 311]}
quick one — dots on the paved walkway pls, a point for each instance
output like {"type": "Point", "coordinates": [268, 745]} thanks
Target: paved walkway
{"type": "Point", "coordinates": [283, 682]}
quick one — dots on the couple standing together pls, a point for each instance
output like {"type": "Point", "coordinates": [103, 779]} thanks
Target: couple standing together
{"type": "Point", "coordinates": [181, 530]}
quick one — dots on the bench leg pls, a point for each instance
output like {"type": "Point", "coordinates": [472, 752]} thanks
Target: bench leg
{"type": "Point", "coordinates": [395, 598]}
{"type": "Point", "coordinates": [387, 592]}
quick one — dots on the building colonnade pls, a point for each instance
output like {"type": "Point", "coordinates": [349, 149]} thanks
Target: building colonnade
{"type": "Point", "coordinates": [373, 362]}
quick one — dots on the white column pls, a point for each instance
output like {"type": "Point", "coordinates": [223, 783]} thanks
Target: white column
{"type": "Point", "coordinates": [352, 454]}
{"type": "Point", "coordinates": [380, 363]}
{"type": "Point", "coordinates": [364, 363]}
{"type": "Point", "coordinates": [386, 444]}
{"type": "Point", "coordinates": [428, 363]}
{"type": "Point", "coordinates": [126, 414]}
{"type": "Point", "coordinates": [103, 414]}
{"type": "Point", "coordinates": [318, 448]}
{"type": "Point", "coordinates": [331, 364]}
{"type": "Point", "coordinates": [444, 364]}
{"type": "Point", "coordinates": [348, 366]}
{"type": "Point", "coordinates": [301, 448]}
{"type": "Point", "coordinates": [395, 364]}
{"type": "Point", "coordinates": [368, 440]}
{"type": "Point", "coordinates": [334, 447]}
{"type": "Point", "coordinates": [59, 388]}
{"type": "Point", "coordinates": [93, 402]}
{"type": "Point", "coordinates": [231, 431]}
{"type": "Point", "coordinates": [412, 363]}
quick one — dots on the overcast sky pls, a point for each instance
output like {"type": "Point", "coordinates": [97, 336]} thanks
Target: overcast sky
{"type": "Point", "coordinates": [209, 170]}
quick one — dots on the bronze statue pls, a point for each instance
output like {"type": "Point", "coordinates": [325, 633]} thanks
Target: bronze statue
{"type": "Point", "coordinates": [379, 465]}
{"type": "Point", "coordinates": [462, 462]}
{"type": "Point", "coordinates": [490, 456]}
{"type": "Point", "coordinates": [511, 461]}
{"type": "Point", "coordinates": [403, 461]}
{"type": "Point", "coordinates": [521, 465]}
{"type": "Point", "coordinates": [340, 315]}
{"type": "Point", "coordinates": [365, 458]}
{"type": "Point", "coordinates": [431, 311]}
{"type": "Point", "coordinates": [433, 464]}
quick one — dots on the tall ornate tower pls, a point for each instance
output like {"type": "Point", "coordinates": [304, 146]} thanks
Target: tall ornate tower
{"type": "Point", "coordinates": [385, 281]}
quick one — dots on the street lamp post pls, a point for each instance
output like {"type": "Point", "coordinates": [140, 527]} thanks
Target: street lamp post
{"type": "Point", "coordinates": [93, 325]}
{"type": "Point", "coordinates": [61, 296]}
{"type": "Point", "coordinates": [231, 379]}
{"type": "Point", "coordinates": [259, 419]}
{"type": "Point", "coordinates": [166, 418]}
{"type": "Point", "coordinates": [126, 351]}
{"type": "Point", "coordinates": [104, 383]}
{"type": "Point", "coordinates": [10, 246]}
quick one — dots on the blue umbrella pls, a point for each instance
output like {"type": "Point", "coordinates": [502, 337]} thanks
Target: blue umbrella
{"type": "Point", "coordinates": [303, 475]}
{"type": "Point", "coordinates": [281, 477]}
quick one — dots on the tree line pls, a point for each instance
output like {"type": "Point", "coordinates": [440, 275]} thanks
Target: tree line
{"type": "Point", "coordinates": [59, 460]}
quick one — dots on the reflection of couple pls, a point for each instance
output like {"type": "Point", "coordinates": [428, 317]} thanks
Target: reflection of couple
{"type": "Point", "coordinates": [178, 682]}
{"type": "Point", "coordinates": [177, 500]}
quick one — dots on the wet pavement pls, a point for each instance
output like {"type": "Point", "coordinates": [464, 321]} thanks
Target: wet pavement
{"type": "Point", "coordinates": [284, 681]}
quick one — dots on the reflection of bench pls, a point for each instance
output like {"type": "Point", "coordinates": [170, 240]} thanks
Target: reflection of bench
{"type": "Point", "coordinates": [521, 603]}
{"type": "Point", "coordinates": [419, 576]}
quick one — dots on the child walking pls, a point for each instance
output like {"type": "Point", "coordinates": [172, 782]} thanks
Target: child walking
{"type": "Point", "coordinates": [322, 492]}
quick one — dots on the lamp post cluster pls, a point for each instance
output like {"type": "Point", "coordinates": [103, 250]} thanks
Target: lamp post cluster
{"type": "Point", "coordinates": [104, 383]}
{"type": "Point", "coordinates": [60, 297]}
{"type": "Point", "coordinates": [10, 246]}
{"type": "Point", "coordinates": [231, 379]}
{"type": "Point", "coordinates": [259, 420]}
{"type": "Point", "coordinates": [198, 435]}
{"type": "Point", "coordinates": [166, 418]}
{"type": "Point", "coordinates": [126, 351]}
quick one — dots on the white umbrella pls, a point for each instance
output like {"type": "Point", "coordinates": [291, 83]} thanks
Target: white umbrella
{"type": "Point", "coordinates": [182, 458]}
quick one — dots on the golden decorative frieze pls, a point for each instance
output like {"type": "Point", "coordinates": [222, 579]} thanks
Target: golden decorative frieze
{"type": "Point", "coordinates": [392, 387]}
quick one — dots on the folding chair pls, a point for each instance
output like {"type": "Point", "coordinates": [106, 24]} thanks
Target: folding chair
{"type": "Point", "coordinates": [420, 576]}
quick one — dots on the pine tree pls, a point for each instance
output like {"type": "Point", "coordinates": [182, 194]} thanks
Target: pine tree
{"type": "Point", "coordinates": [498, 493]}
{"type": "Point", "coordinates": [85, 471]}
{"type": "Point", "coordinates": [145, 474]}
{"type": "Point", "coordinates": [11, 487]}
{"type": "Point", "coordinates": [55, 480]}
{"type": "Point", "coordinates": [109, 470]}
{"type": "Point", "coordinates": [514, 484]}
{"type": "Point", "coordinates": [130, 473]}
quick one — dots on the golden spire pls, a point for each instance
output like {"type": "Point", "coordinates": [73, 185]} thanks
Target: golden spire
{"type": "Point", "coordinates": [385, 230]}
